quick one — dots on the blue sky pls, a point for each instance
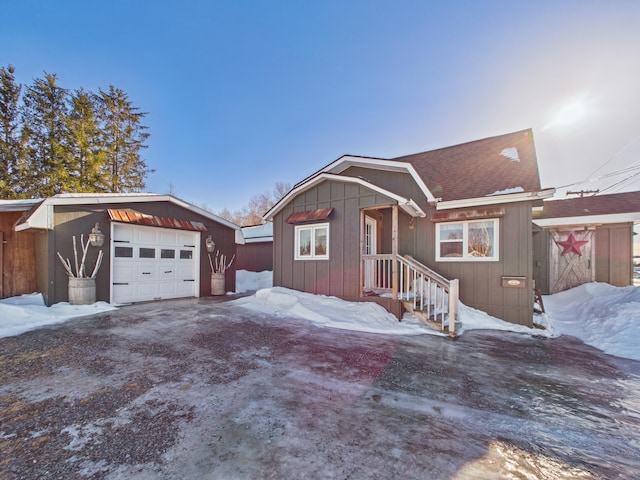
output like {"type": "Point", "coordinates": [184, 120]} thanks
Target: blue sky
{"type": "Point", "coordinates": [243, 94]}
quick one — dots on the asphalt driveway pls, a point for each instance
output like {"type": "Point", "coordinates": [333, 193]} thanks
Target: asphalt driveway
{"type": "Point", "coordinates": [200, 388]}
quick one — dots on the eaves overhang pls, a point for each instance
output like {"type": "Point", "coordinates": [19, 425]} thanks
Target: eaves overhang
{"type": "Point", "coordinates": [588, 220]}
{"type": "Point", "coordinates": [496, 199]}
{"type": "Point", "coordinates": [406, 204]}
{"type": "Point", "coordinates": [346, 161]}
{"type": "Point", "coordinates": [41, 218]}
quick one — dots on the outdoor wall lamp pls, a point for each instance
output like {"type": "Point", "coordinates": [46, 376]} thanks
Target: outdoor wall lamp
{"type": "Point", "coordinates": [96, 237]}
{"type": "Point", "coordinates": [211, 245]}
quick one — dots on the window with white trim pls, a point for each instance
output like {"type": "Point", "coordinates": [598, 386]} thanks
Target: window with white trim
{"type": "Point", "coordinates": [474, 240]}
{"type": "Point", "coordinates": [312, 242]}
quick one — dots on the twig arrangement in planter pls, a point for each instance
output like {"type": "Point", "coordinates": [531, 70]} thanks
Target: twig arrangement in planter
{"type": "Point", "coordinates": [219, 264]}
{"type": "Point", "coordinates": [80, 268]}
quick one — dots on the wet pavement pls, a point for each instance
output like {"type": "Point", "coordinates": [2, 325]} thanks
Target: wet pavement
{"type": "Point", "coordinates": [200, 388]}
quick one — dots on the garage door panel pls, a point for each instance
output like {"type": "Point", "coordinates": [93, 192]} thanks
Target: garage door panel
{"type": "Point", "coordinates": [185, 287]}
{"type": "Point", "coordinates": [124, 233]}
{"type": "Point", "coordinates": [168, 238]}
{"type": "Point", "coordinates": [168, 271]}
{"type": "Point", "coordinates": [125, 273]}
{"type": "Point", "coordinates": [150, 237]}
{"type": "Point", "coordinates": [167, 289]}
{"type": "Point", "coordinates": [184, 272]}
{"type": "Point", "coordinates": [146, 273]}
{"type": "Point", "coordinates": [185, 240]}
{"type": "Point", "coordinates": [152, 263]}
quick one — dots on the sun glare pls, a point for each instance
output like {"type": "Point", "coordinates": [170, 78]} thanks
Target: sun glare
{"type": "Point", "coordinates": [570, 114]}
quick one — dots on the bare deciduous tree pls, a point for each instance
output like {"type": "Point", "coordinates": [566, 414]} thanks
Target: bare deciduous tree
{"type": "Point", "coordinates": [258, 205]}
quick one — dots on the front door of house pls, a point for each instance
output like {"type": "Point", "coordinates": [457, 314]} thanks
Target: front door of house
{"type": "Point", "coordinates": [370, 248]}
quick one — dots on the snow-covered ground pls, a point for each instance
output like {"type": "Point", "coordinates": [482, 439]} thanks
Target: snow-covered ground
{"type": "Point", "coordinates": [27, 312]}
{"type": "Point", "coordinates": [599, 314]}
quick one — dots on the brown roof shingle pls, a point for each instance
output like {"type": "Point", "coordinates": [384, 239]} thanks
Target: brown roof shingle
{"type": "Point", "coordinates": [628, 202]}
{"type": "Point", "coordinates": [479, 168]}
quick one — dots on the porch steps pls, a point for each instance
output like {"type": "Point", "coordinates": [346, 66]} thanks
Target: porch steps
{"type": "Point", "coordinates": [429, 321]}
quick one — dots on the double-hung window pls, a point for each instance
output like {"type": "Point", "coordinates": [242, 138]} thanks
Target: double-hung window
{"type": "Point", "coordinates": [312, 242]}
{"type": "Point", "coordinates": [474, 240]}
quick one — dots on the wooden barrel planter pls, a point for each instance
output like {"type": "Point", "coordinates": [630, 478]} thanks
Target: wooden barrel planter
{"type": "Point", "coordinates": [82, 291]}
{"type": "Point", "coordinates": [217, 284]}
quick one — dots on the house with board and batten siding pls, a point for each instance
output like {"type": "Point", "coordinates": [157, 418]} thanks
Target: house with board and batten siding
{"type": "Point", "coordinates": [418, 231]}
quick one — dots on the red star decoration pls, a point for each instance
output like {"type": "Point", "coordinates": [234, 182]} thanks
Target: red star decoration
{"type": "Point", "coordinates": [572, 245]}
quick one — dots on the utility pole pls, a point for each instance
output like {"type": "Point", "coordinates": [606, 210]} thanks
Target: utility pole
{"type": "Point", "coordinates": [582, 193]}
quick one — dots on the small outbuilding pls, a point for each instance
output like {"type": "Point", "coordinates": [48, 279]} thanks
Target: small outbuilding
{"type": "Point", "coordinates": [585, 239]}
{"type": "Point", "coordinates": [256, 254]}
{"type": "Point", "coordinates": [17, 250]}
{"type": "Point", "coordinates": [154, 246]}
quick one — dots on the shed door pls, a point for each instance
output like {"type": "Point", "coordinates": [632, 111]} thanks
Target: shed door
{"type": "Point", "coordinates": [571, 269]}
{"type": "Point", "coordinates": [151, 263]}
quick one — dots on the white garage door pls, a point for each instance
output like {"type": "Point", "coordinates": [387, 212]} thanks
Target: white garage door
{"type": "Point", "coordinates": [152, 263]}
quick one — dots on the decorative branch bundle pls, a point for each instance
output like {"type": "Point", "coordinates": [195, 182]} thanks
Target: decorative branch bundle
{"type": "Point", "coordinates": [80, 269]}
{"type": "Point", "coordinates": [219, 264]}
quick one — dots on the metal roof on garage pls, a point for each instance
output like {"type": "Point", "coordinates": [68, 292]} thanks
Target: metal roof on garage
{"type": "Point", "coordinates": [131, 216]}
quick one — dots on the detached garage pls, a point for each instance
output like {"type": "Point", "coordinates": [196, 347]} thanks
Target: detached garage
{"type": "Point", "coordinates": [154, 245]}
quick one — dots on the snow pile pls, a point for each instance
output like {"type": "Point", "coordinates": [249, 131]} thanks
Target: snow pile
{"type": "Point", "coordinates": [27, 312]}
{"type": "Point", "coordinates": [599, 314]}
{"type": "Point", "coordinates": [251, 281]}
{"type": "Point", "coordinates": [511, 153]}
{"type": "Point", "coordinates": [330, 311]}
{"type": "Point", "coordinates": [506, 191]}
{"type": "Point", "coordinates": [603, 316]}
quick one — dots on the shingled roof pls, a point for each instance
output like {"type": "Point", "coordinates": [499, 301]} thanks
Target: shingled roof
{"type": "Point", "coordinates": [502, 164]}
{"type": "Point", "coordinates": [611, 204]}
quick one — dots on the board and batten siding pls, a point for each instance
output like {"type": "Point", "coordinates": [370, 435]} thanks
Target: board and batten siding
{"type": "Point", "coordinates": [340, 274]}
{"type": "Point", "coordinates": [614, 254]}
{"type": "Point", "coordinates": [481, 282]}
{"type": "Point", "coordinates": [79, 219]}
{"type": "Point", "coordinates": [17, 258]}
{"type": "Point", "coordinates": [541, 258]}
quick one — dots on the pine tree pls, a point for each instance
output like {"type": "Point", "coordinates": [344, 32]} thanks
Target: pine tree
{"type": "Point", "coordinates": [86, 143]}
{"type": "Point", "coordinates": [10, 148]}
{"type": "Point", "coordinates": [50, 167]}
{"type": "Point", "coordinates": [124, 137]}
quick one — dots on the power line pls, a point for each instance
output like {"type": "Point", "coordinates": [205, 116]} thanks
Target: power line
{"type": "Point", "coordinates": [622, 183]}
{"type": "Point", "coordinates": [613, 157]}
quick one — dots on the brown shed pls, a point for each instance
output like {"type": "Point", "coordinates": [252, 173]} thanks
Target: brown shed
{"type": "Point", "coordinates": [586, 239]}
{"type": "Point", "coordinates": [17, 250]}
{"type": "Point", "coordinates": [256, 254]}
{"type": "Point", "coordinates": [154, 245]}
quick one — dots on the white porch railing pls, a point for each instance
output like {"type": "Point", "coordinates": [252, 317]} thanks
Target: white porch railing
{"type": "Point", "coordinates": [430, 292]}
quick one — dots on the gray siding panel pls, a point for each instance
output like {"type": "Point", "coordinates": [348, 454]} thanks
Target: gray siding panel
{"type": "Point", "coordinates": [614, 254]}
{"type": "Point", "coordinates": [340, 275]}
{"type": "Point", "coordinates": [541, 259]}
{"type": "Point", "coordinates": [481, 282]}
